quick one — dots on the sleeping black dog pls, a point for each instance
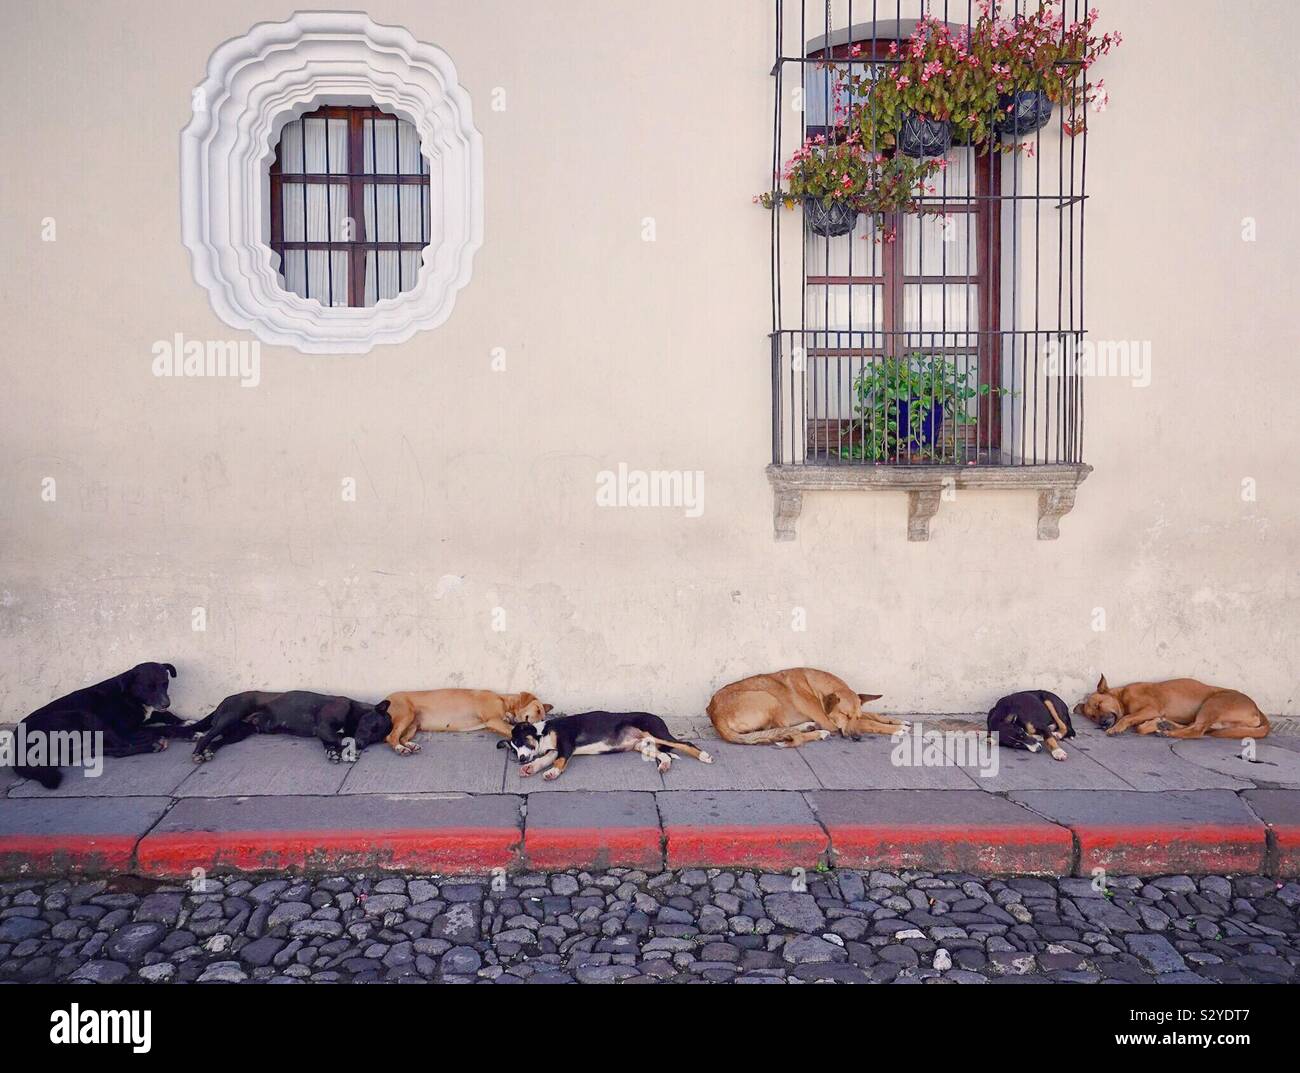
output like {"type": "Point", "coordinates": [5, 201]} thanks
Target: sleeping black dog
{"type": "Point", "coordinates": [1028, 720]}
{"type": "Point", "coordinates": [336, 721]}
{"type": "Point", "coordinates": [548, 745]}
{"type": "Point", "coordinates": [129, 709]}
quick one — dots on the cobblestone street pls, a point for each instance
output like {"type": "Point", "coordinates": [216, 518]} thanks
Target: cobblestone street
{"type": "Point", "coordinates": [627, 926]}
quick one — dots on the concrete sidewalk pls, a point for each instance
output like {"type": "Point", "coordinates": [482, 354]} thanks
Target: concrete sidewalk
{"type": "Point", "coordinates": [1131, 805]}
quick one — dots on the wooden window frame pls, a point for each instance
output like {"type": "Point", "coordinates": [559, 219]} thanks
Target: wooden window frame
{"type": "Point", "coordinates": [356, 179]}
{"type": "Point", "coordinates": [985, 204]}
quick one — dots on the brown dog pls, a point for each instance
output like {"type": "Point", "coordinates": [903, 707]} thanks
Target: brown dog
{"type": "Point", "coordinates": [788, 708]}
{"type": "Point", "coordinates": [459, 710]}
{"type": "Point", "coordinates": [1181, 708]}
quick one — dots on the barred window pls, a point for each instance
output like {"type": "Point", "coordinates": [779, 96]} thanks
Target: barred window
{"type": "Point", "coordinates": [350, 197]}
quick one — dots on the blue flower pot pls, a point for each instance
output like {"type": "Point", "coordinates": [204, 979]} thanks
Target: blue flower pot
{"type": "Point", "coordinates": [931, 423]}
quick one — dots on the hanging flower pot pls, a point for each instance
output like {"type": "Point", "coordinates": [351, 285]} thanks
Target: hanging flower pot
{"type": "Point", "coordinates": [1023, 112]}
{"type": "Point", "coordinates": [919, 136]}
{"type": "Point", "coordinates": [831, 220]}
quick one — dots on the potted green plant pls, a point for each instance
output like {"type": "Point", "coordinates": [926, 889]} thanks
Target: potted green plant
{"type": "Point", "coordinates": [901, 405]}
{"type": "Point", "coordinates": [837, 180]}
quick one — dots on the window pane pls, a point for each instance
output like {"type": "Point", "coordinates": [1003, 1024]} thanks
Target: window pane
{"type": "Point", "coordinates": [859, 251]}
{"type": "Point", "coordinates": [940, 246]}
{"type": "Point", "coordinates": [940, 316]}
{"type": "Point", "coordinates": [859, 308]}
{"type": "Point", "coordinates": [381, 199]}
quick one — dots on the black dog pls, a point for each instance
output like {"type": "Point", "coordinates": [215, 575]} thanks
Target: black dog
{"type": "Point", "coordinates": [335, 720]}
{"type": "Point", "coordinates": [1026, 720]}
{"type": "Point", "coordinates": [130, 710]}
{"type": "Point", "coordinates": [550, 743]}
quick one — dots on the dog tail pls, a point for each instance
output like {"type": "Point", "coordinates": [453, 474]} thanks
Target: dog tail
{"type": "Point", "coordinates": [49, 777]}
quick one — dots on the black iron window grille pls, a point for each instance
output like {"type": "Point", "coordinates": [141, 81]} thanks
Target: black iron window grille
{"type": "Point", "coordinates": [350, 213]}
{"type": "Point", "coordinates": [947, 332]}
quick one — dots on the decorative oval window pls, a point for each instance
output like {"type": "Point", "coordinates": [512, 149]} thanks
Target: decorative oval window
{"type": "Point", "coordinates": [331, 183]}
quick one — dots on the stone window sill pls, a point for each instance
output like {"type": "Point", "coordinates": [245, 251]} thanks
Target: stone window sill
{"type": "Point", "coordinates": [926, 487]}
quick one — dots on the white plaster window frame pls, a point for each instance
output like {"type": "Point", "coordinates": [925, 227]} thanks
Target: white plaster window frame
{"type": "Point", "coordinates": [255, 85]}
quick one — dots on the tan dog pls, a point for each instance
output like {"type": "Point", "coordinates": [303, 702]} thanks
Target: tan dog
{"type": "Point", "coordinates": [459, 710]}
{"type": "Point", "coordinates": [1181, 708]}
{"type": "Point", "coordinates": [788, 708]}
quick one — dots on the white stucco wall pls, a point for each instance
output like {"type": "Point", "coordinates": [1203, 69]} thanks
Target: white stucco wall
{"type": "Point", "coordinates": [476, 488]}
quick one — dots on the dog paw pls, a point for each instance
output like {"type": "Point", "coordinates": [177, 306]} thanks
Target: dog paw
{"type": "Point", "coordinates": [551, 775]}
{"type": "Point", "coordinates": [781, 744]}
{"type": "Point", "coordinates": [1164, 727]}
{"type": "Point", "coordinates": [203, 757]}
{"type": "Point", "coordinates": [160, 745]}
{"type": "Point", "coordinates": [805, 727]}
{"type": "Point", "coordinates": [525, 771]}
{"type": "Point", "coordinates": [1058, 754]}
{"type": "Point", "coordinates": [705, 758]}
{"type": "Point", "coordinates": [333, 756]}
{"type": "Point", "coordinates": [1112, 730]}
{"type": "Point", "coordinates": [822, 735]}
{"type": "Point", "coordinates": [903, 725]}
{"type": "Point", "coordinates": [664, 765]}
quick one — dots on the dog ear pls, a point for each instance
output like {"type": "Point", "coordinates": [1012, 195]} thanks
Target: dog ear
{"type": "Point", "coordinates": [382, 706]}
{"type": "Point", "coordinates": [1078, 708]}
{"type": "Point", "coordinates": [829, 702]}
{"type": "Point", "coordinates": [1102, 687]}
{"type": "Point", "coordinates": [503, 743]}
{"type": "Point", "coordinates": [548, 708]}
{"type": "Point", "coordinates": [169, 669]}
{"type": "Point", "coordinates": [867, 698]}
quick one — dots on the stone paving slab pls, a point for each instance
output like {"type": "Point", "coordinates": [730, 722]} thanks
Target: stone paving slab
{"type": "Point", "coordinates": [1019, 770]}
{"type": "Point", "coordinates": [941, 830]}
{"type": "Point", "coordinates": [1280, 809]}
{"type": "Point", "coordinates": [771, 829]}
{"type": "Point", "coordinates": [586, 829]}
{"type": "Point", "coordinates": [1147, 762]}
{"type": "Point", "coordinates": [1196, 832]}
{"type": "Point", "coordinates": [74, 834]}
{"type": "Point", "coordinates": [450, 833]}
{"type": "Point", "coordinates": [266, 765]}
{"type": "Point", "coordinates": [615, 771]}
{"type": "Point", "coordinates": [1272, 766]}
{"type": "Point", "coordinates": [843, 764]}
{"type": "Point", "coordinates": [146, 775]}
{"type": "Point", "coordinates": [469, 763]}
{"type": "Point", "coordinates": [742, 767]}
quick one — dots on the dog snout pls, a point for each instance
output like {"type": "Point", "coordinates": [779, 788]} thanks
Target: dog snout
{"type": "Point", "coordinates": [1106, 722]}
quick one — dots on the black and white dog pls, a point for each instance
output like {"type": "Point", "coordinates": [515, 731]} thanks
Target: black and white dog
{"type": "Point", "coordinates": [1028, 720]}
{"type": "Point", "coordinates": [129, 709]}
{"type": "Point", "coordinates": [336, 721]}
{"type": "Point", "coordinates": [550, 743]}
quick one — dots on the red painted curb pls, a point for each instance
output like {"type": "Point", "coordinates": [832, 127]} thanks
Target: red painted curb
{"type": "Point", "coordinates": [1286, 847]}
{"type": "Point", "coordinates": [1206, 849]}
{"type": "Point", "coordinates": [776, 848]}
{"type": "Point", "coordinates": [46, 855]}
{"type": "Point", "coordinates": [445, 850]}
{"type": "Point", "coordinates": [552, 848]}
{"type": "Point", "coordinates": [1029, 849]}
